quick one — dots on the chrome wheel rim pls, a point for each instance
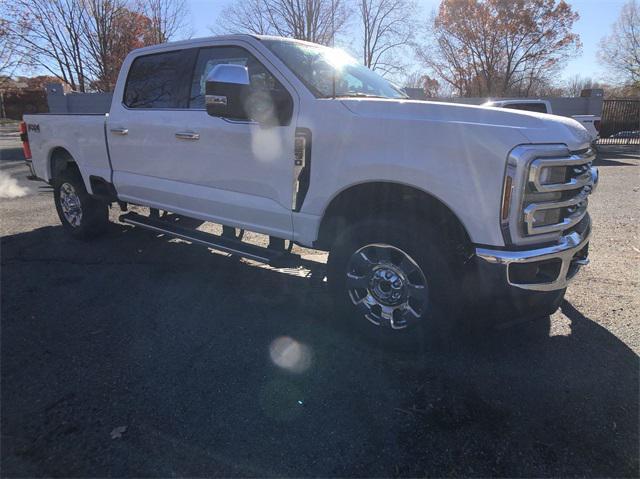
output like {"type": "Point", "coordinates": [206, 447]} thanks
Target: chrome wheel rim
{"type": "Point", "coordinates": [70, 204]}
{"type": "Point", "coordinates": [387, 286]}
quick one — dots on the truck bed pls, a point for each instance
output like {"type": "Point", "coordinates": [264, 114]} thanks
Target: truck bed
{"type": "Point", "coordinates": [81, 135]}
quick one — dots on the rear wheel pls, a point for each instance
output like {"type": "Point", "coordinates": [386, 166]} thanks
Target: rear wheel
{"type": "Point", "coordinates": [81, 215]}
{"type": "Point", "coordinates": [393, 284]}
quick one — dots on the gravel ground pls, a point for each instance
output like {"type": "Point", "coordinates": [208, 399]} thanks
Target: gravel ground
{"type": "Point", "coordinates": [134, 355]}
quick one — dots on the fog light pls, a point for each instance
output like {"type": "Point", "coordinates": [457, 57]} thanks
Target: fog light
{"type": "Point", "coordinates": [538, 272]}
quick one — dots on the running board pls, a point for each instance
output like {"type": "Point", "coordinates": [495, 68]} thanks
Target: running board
{"type": "Point", "coordinates": [217, 242]}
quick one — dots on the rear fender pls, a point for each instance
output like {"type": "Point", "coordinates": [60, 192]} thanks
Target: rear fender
{"type": "Point", "coordinates": [58, 148]}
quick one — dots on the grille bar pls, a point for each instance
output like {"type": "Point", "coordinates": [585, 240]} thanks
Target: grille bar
{"type": "Point", "coordinates": [578, 165]}
{"type": "Point", "coordinates": [570, 220]}
{"type": "Point", "coordinates": [580, 181]}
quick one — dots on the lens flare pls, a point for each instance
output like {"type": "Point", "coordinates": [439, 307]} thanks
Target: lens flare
{"type": "Point", "coordinates": [289, 354]}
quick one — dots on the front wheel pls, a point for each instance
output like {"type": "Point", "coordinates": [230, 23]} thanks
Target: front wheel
{"type": "Point", "coordinates": [393, 283]}
{"type": "Point", "coordinates": [80, 214]}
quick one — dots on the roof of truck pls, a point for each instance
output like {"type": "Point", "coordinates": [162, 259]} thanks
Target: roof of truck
{"type": "Point", "coordinates": [192, 41]}
{"type": "Point", "coordinates": [196, 41]}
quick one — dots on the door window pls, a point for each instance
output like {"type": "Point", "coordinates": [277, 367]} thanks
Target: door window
{"type": "Point", "coordinates": [158, 80]}
{"type": "Point", "coordinates": [260, 79]}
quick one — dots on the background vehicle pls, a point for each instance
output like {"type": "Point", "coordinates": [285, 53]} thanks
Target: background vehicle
{"type": "Point", "coordinates": [423, 206]}
{"type": "Point", "coordinates": [627, 134]}
{"type": "Point", "coordinates": [590, 122]}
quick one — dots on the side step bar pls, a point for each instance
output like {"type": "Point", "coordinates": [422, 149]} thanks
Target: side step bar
{"type": "Point", "coordinates": [227, 245]}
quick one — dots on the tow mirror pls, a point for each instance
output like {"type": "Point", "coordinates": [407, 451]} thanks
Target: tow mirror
{"type": "Point", "coordinates": [225, 91]}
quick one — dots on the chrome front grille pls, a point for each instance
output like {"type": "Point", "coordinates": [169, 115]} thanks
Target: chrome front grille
{"type": "Point", "coordinates": [578, 173]}
{"type": "Point", "coordinates": [544, 206]}
{"type": "Point", "coordinates": [556, 195]}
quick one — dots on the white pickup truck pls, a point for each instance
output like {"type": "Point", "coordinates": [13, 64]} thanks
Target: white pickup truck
{"type": "Point", "coordinates": [590, 122]}
{"type": "Point", "coordinates": [424, 207]}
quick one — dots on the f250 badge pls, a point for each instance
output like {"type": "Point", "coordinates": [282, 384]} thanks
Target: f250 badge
{"type": "Point", "coordinates": [35, 127]}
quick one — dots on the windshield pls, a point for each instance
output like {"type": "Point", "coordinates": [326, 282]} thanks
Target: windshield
{"type": "Point", "coordinates": [322, 69]}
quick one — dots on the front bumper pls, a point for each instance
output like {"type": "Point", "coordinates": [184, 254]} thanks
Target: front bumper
{"type": "Point", "coordinates": [548, 268]}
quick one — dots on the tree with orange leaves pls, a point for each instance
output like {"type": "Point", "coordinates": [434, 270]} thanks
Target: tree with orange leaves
{"type": "Point", "coordinates": [110, 31]}
{"type": "Point", "coordinates": [83, 42]}
{"type": "Point", "coordinates": [499, 47]}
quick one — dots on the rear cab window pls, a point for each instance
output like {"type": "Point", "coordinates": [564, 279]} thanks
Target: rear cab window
{"type": "Point", "coordinates": [156, 81]}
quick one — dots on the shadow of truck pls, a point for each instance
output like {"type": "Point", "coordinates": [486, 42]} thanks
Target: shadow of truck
{"type": "Point", "coordinates": [184, 348]}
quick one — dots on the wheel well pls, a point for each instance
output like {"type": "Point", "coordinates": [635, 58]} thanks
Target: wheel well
{"type": "Point", "coordinates": [391, 199]}
{"type": "Point", "coordinates": [60, 160]}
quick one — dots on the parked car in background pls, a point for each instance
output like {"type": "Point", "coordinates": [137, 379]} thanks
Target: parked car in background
{"type": "Point", "coordinates": [590, 122]}
{"type": "Point", "coordinates": [422, 206]}
{"type": "Point", "coordinates": [539, 106]}
{"type": "Point", "coordinates": [626, 134]}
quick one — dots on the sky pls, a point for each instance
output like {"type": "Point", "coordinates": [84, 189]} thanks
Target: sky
{"type": "Point", "coordinates": [596, 18]}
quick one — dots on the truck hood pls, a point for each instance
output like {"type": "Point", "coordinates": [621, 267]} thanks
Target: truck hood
{"type": "Point", "coordinates": [536, 127]}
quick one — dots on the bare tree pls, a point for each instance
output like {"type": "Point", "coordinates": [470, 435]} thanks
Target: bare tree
{"type": "Point", "coordinates": [499, 47]}
{"type": "Point", "coordinates": [100, 37]}
{"type": "Point", "coordinates": [387, 28]}
{"type": "Point", "coordinates": [620, 51]}
{"type": "Point", "coordinates": [413, 79]}
{"type": "Point", "coordinates": [9, 56]}
{"type": "Point", "coordinates": [439, 54]}
{"type": "Point", "coordinates": [110, 30]}
{"type": "Point", "coordinates": [430, 86]}
{"type": "Point", "coordinates": [249, 16]}
{"type": "Point", "coordinates": [84, 42]}
{"type": "Point", "coordinates": [168, 18]}
{"type": "Point", "coordinates": [575, 84]}
{"type": "Point", "coordinates": [313, 20]}
{"type": "Point", "coordinates": [48, 32]}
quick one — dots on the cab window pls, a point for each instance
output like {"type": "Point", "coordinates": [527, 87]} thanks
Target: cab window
{"type": "Point", "coordinates": [260, 78]}
{"type": "Point", "coordinates": [157, 81]}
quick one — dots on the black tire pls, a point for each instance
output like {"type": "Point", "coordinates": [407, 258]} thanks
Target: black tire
{"type": "Point", "coordinates": [436, 320]}
{"type": "Point", "coordinates": [94, 214]}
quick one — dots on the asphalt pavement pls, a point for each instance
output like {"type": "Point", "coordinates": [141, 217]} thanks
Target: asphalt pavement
{"type": "Point", "coordinates": [137, 355]}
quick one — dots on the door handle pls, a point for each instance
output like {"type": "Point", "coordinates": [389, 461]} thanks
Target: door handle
{"type": "Point", "coordinates": [187, 135]}
{"type": "Point", "coordinates": [119, 131]}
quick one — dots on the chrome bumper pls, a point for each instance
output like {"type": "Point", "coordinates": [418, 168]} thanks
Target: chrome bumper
{"type": "Point", "coordinates": [568, 250]}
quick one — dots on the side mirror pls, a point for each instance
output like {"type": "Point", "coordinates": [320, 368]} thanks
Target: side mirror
{"type": "Point", "coordinates": [226, 88]}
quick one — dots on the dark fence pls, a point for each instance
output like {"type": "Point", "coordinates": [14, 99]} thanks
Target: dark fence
{"type": "Point", "coordinates": [620, 123]}
{"type": "Point", "coordinates": [14, 104]}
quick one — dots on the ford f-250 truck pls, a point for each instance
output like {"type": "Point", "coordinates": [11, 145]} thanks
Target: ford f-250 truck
{"type": "Point", "coordinates": [423, 206]}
